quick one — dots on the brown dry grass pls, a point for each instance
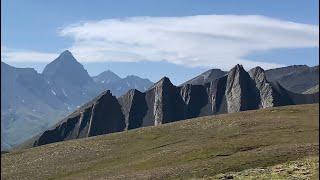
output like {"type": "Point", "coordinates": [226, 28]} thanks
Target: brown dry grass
{"type": "Point", "coordinates": [197, 148]}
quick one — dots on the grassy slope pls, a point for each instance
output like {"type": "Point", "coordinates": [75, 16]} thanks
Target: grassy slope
{"type": "Point", "coordinates": [201, 147]}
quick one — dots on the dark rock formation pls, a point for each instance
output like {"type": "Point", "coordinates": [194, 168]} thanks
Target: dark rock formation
{"type": "Point", "coordinates": [164, 103]}
{"type": "Point", "coordinates": [101, 116]}
{"type": "Point", "coordinates": [240, 91]}
{"type": "Point", "coordinates": [134, 108]}
{"type": "Point", "coordinates": [194, 97]}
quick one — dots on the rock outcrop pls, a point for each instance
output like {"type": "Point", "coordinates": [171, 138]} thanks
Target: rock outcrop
{"type": "Point", "coordinates": [101, 116]}
{"type": "Point", "coordinates": [266, 91]}
{"type": "Point", "coordinates": [134, 108]}
{"type": "Point", "coordinates": [240, 91]}
{"type": "Point", "coordinates": [164, 103]}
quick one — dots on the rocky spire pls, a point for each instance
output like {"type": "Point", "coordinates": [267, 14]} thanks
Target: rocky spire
{"type": "Point", "coordinates": [240, 91]}
{"type": "Point", "coordinates": [265, 89]}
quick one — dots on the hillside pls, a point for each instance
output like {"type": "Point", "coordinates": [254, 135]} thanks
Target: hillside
{"type": "Point", "coordinates": [296, 78]}
{"type": "Point", "coordinates": [164, 102]}
{"type": "Point", "coordinates": [209, 146]}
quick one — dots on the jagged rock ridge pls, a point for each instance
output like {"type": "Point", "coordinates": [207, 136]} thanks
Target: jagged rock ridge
{"type": "Point", "coordinates": [164, 103]}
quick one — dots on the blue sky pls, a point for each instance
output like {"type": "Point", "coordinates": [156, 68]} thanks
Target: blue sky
{"type": "Point", "coordinates": [48, 27]}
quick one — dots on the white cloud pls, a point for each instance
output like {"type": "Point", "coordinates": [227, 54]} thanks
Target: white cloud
{"type": "Point", "coordinates": [219, 41]}
{"type": "Point", "coordinates": [18, 55]}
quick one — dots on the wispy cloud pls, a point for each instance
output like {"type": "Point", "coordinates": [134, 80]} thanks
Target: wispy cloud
{"type": "Point", "coordinates": [218, 41]}
{"type": "Point", "coordinates": [20, 55]}
{"type": "Point", "coordinates": [205, 40]}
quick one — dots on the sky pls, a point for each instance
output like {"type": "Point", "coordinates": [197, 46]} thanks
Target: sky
{"type": "Point", "coordinates": [150, 38]}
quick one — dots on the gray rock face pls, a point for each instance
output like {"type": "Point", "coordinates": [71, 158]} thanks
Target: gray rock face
{"type": "Point", "coordinates": [164, 103]}
{"type": "Point", "coordinates": [240, 91]}
{"type": "Point", "coordinates": [217, 98]}
{"type": "Point", "coordinates": [167, 104]}
{"type": "Point", "coordinates": [134, 108]}
{"type": "Point", "coordinates": [292, 77]}
{"type": "Point", "coordinates": [265, 89]}
{"type": "Point", "coordinates": [195, 98]}
{"type": "Point", "coordinates": [89, 120]}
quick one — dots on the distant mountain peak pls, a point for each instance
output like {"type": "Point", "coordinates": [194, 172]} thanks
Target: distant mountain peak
{"type": "Point", "coordinates": [66, 56]}
{"type": "Point", "coordinates": [106, 77]}
{"type": "Point", "coordinates": [108, 73]}
{"type": "Point", "coordinates": [66, 69]}
{"type": "Point", "coordinates": [66, 52]}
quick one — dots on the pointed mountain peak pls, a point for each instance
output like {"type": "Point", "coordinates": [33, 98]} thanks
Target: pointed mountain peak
{"type": "Point", "coordinates": [258, 68]}
{"type": "Point", "coordinates": [67, 69]}
{"type": "Point", "coordinates": [106, 92]}
{"type": "Point", "coordinates": [132, 92]}
{"type": "Point", "coordinates": [106, 77]}
{"type": "Point", "coordinates": [108, 73]}
{"type": "Point", "coordinates": [165, 81]}
{"type": "Point", "coordinates": [66, 56]}
{"type": "Point", "coordinates": [238, 69]}
{"type": "Point", "coordinates": [66, 52]}
{"type": "Point", "coordinates": [256, 71]}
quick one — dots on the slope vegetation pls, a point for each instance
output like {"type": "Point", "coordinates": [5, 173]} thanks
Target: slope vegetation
{"type": "Point", "coordinates": [209, 146]}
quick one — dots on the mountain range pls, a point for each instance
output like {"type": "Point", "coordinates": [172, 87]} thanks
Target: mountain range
{"type": "Point", "coordinates": [292, 77]}
{"type": "Point", "coordinates": [238, 90]}
{"type": "Point", "coordinates": [118, 86]}
{"type": "Point", "coordinates": [32, 102]}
